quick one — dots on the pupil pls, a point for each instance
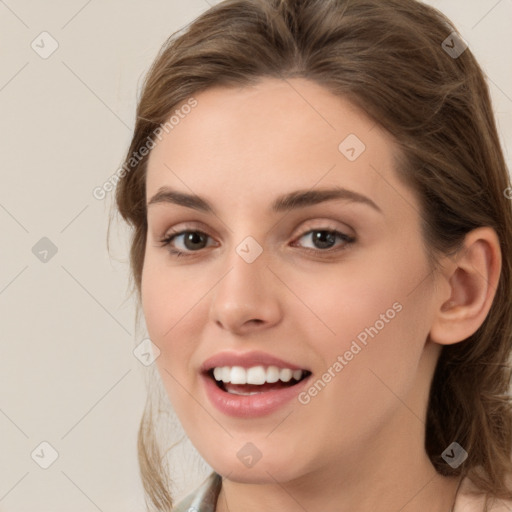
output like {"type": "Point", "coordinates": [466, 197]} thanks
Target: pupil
{"type": "Point", "coordinates": [324, 239]}
{"type": "Point", "coordinates": [193, 238]}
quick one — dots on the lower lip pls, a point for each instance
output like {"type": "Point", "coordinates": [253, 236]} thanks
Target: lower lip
{"type": "Point", "coordinates": [250, 406]}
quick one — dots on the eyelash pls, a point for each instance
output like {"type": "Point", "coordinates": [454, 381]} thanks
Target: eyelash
{"type": "Point", "coordinates": [166, 242]}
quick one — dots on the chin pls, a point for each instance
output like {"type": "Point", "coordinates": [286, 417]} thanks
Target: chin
{"type": "Point", "coordinates": [261, 472]}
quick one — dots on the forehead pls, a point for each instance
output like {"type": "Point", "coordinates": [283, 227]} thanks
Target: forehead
{"type": "Point", "coordinates": [258, 141]}
{"type": "Point", "coordinates": [275, 112]}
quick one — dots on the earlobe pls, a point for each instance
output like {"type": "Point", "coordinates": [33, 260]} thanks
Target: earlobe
{"type": "Point", "coordinates": [472, 277]}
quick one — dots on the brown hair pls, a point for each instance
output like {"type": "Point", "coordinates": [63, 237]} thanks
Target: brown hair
{"type": "Point", "coordinates": [388, 58]}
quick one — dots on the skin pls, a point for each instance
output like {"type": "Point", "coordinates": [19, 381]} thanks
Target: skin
{"type": "Point", "coordinates": [363, 434]}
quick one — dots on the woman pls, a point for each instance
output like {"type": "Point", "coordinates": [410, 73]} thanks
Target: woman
{"type": "Point", "coordinates": [322, 251]}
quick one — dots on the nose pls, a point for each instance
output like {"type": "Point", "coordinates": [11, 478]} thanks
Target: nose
{"type": "Point", "coordinates": [247, 297]}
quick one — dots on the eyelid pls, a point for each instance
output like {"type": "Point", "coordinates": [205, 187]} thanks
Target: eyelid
{"type": "Point", "coordinates": [185, 226]}
{"type": "Point", "coordinates": [321, 224]}
{"type": "Point", "coordinates": [305, 227]}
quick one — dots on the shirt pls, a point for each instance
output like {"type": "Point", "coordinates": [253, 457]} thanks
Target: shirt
{"type": "Point", "coordinates": [204, 499]}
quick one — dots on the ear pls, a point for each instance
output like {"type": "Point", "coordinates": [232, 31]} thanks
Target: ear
{"type": "Point", "coordinates": [468, 286]}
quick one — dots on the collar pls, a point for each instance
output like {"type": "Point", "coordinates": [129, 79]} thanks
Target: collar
{"type": "Point", "coordinates": [204, 498]}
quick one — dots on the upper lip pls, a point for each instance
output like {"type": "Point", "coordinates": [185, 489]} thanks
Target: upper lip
{"type": "Point", "coordinates": [246, 360]}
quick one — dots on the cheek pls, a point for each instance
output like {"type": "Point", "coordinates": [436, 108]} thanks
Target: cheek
{"type": "Point", "coordinates": [371, 313]}
{"type": "Point", "coordinates": [170, 295]}
{"type": "Point", "coordinates": [169, 305]}
{"type": "Point", "coordinates": [365, 382]}
{"type": "Point", "coordinates": [338, 302]}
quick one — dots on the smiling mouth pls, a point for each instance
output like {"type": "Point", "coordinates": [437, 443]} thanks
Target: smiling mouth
{"type": "Point", "coordinates": [237, 380]}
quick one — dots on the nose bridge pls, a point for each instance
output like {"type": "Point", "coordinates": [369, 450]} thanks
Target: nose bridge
{"type": "Point", "coordinates": [246, 292]}
{"type": "Point", "coordinates": [246, 267]}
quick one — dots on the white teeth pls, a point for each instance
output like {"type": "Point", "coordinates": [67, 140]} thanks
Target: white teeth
{"type": "Point", "coordinates": [217, 373]}
{"type": "Point", "coordinates": [256, 375]}
{"type": "Point", "coordinates": [297, 374]}
{"type": "Point", "coordinates": [272, 374]}
{"type": "Point", "coordinates": [238, 375]}
{"type": "Point", "coordinates": [285, 374]}
{"type": "Point", "coordinates": [242, 393]}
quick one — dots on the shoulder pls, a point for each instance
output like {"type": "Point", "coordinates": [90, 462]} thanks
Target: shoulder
{"type": "Point", "coordinates": [469, 499]}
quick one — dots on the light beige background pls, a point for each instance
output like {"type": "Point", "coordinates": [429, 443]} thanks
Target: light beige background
{"type": "Point", "coordinates": [68, 375]}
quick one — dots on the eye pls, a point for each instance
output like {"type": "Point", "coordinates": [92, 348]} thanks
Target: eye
{"type": "Point", "coordinates": [192, 241]}
{"type": "Point", "coordinates": [324, 240]}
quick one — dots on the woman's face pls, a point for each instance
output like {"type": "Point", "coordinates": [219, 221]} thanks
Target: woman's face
{"type": "Point", "coordinates": [280, 278]}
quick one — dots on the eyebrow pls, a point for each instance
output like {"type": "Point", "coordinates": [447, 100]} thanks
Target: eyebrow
{"type": "Point", "coordinates": [287, 202]}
